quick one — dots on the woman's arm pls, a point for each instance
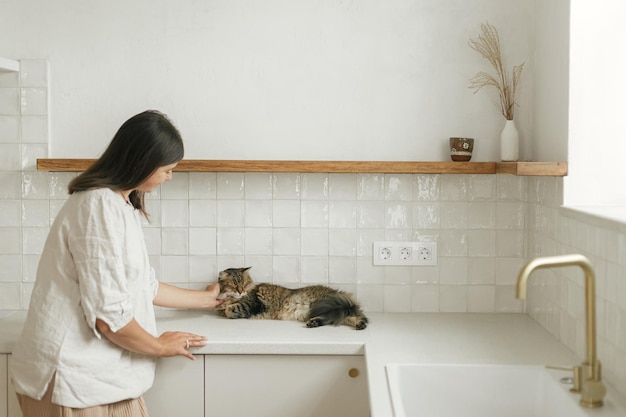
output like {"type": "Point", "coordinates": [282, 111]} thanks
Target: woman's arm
{"type": "Point", "coordinates": [133, 337]}
{"type": "Point", "coordinates": [176, 297]}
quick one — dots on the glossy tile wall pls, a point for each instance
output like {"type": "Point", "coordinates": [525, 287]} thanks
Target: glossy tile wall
{"type": "Point", "coordinates": [298, 229]}
{"type": "Point", "coordinates": [24, 193]}
{"type": "Point", "coordinates": [556, 296]}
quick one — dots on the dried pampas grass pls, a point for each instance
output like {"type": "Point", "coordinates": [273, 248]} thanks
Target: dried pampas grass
{"type": "Point", "coordinates": [488, 45]}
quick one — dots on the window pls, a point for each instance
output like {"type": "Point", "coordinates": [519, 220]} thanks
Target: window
{"type": "Point", "coordinates": [597, 108]}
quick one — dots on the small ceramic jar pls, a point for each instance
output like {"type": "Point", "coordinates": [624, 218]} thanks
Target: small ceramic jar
{"type": "Point", "coordinates": [461, 149]}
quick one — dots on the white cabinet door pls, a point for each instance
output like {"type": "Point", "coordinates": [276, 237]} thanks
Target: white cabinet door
{"type": "Point", "coordinates": [285, 386]}
{"type": "Point", "coordinates": [14, 407]}
{"type": "Point", "coordinates": [178, 388]}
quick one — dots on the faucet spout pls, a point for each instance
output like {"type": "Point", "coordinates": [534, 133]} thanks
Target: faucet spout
{"type": "Point", "coordinates": [593, 390]}
{"type": "Point", "coordinates": [590, 302]}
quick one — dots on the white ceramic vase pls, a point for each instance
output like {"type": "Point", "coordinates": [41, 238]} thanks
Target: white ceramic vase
{"type": "Point", "coordinates": [509, 142]}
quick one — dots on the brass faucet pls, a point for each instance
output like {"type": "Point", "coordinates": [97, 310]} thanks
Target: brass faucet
{"type": "Point", "coordinates": [589, 373]}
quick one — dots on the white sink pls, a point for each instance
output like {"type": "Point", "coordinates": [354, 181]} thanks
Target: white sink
{"type": "Point", "coordinates": [484, 391]}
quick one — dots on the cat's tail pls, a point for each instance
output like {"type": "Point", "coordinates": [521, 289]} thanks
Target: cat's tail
{"type": "Point", "coordinates": [337, 309]}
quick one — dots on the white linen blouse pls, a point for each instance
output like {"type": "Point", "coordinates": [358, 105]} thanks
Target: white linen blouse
{"type": "Point", "coordinates": [94, 265]}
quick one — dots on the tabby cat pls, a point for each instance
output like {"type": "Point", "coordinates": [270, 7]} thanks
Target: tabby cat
{"type": "Point", "coordinates": [316, 305]}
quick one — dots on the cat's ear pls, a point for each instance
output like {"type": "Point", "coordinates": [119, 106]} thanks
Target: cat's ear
{"type": "Point", "coordinates": [222, 275]}
{"type": "Point", "coordinates": [245, 269]}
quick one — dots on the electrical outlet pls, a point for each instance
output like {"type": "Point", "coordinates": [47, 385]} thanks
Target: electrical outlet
{"type": "Point", "coordinates": [424, 253]}
{"type": "Point", "coordinates": [404, 253]}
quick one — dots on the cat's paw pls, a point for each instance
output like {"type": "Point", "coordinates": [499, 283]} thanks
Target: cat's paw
{"type": "Point", "coordinates": [361, 325]}
{"type": "Point", "coordinates": [236, 311]}
{"type": "Point", "coordinates": [313, 323]}
{"type": "Point", "coordinates": [230, 311]}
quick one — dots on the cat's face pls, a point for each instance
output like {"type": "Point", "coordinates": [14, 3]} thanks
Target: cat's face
{"type": "Point", "coordinates": [234, 283]}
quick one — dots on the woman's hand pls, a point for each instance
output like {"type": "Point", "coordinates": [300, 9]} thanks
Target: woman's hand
{"type": "Point", "coordinates": [179, 343]}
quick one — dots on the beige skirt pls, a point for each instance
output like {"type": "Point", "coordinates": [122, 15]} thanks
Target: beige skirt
{"type": "Point", "coordinates": [135, 407]}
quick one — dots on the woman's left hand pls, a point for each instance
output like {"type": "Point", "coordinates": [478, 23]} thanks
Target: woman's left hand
{"type": "Point", "coordinates": [179, 343]}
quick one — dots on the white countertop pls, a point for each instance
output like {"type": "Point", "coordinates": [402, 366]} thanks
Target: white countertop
{"type": "Point", "coordinates": [389, 338]}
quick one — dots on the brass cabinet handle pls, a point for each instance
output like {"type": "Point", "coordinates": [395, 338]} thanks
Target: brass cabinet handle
{"type": "Point", "coordinates": [353, 372]}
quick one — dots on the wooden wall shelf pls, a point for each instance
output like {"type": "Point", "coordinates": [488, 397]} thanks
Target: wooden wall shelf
{"type": "Point", "coordinates": [558, 169]}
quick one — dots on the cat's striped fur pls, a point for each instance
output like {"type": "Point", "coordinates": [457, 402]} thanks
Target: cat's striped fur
{"type": "Point", "coordinates": [316, 305]}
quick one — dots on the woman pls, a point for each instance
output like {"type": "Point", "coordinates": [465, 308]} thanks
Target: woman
{"type": "Point", "coordinates": [89, 344]}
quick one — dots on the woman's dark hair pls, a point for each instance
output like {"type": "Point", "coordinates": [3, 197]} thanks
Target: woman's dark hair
{"type": "Point", "coordinates": [142, 144]}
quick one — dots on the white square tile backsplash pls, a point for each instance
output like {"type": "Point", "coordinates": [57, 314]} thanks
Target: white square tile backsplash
{"type": "Point", "coordinates": [308, 228]}
{"type": "Point", "coordinates": [11, 213]}
{"type": "Point", "coordinates": [34, 101]}
{"type": "Point", "coordinates": [202, 213]}
{"type": "Point", "coordinates": [342, 214]}
{"type": "Point", "coordinates": [258, 213]}
{"type": "Point", "coordinates": [371, 187]}
{"type": "Point", "coordinates": [174, 213]}
{"type": "Point", "coordinates": [175, 241]}
{"type": "Point", "coordinates": [230, 213]}
{"type": "Point", "coordinates": [340, 187]}
{"type": "Point", "coordinates": [202, 185]}
{"type": "Point", "coordinates": [482, 187]}
{"type": "Point", "coordinates": [10, 156]}
{"type": "Point", "coordinates": [9, 101]}
{"type": "Point", "coordinates": [286, 186]}
{"type": "Point", "coordinates": [314, 242]}
{"type": "Point", "coordinates": [258, 186]}
{"type": "Point", "coordinates": [285, 213]}
{"type": "Point", "coordinates": [33, 73]}
{"type": "Point", "coordinates": [10, 268]}
{"type": "Point", "coordinates": [453, 187]}
{"type": "Point", "coordinates": [398, 187]}
{"type": "Point", "coordinates": [230, 186]}
{"type": "Point", "coordinates": [176, 189]}
{"type": "Point", "coordinates": [315, 186]}
{"type": "Point", "coordinates": [9, 129]}
{"type": "Point", "coordinates": [481, 298]}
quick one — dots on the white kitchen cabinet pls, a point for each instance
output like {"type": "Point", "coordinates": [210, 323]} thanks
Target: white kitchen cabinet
{"type": "Point", "coordinates": [178, 388]}
{"type": "Point", "coordinates": [285, 386]}
{"type": "Point", "coordinates": [238, 385]}
{"type": "Point", "coordinates": [14, 407]}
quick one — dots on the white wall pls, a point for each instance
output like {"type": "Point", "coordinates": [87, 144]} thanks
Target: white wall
{"type": "Point", "coordinates": [550, 112]}
{"type": "Point", "coordinates": [275, 79]}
